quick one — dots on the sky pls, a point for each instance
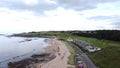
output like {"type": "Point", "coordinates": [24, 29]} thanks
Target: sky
{"type": "Point", "coordinates": [53, 15]}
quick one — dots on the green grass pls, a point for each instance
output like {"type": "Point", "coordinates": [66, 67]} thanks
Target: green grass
{"type": "Point", "coordinates": [73, 52]}
{"type": "Point", "coordinates": [108, 57]}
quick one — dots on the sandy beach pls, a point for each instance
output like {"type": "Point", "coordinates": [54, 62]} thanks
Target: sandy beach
{"type": "Point", "coordinates": [61, 52]}
{"type": "Point", "coordinates": [55, 55]}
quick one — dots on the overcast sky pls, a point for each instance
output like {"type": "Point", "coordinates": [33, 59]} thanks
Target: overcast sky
{"type": "Point", "coordinates": [45, 15]}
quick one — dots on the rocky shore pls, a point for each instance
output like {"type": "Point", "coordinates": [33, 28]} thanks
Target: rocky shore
{"type": "Point", "coordinates": [29, 62]}
{"type": "Point", "coordinates": [55, 56]}
{"type": "Point", "coordinates": [48, 55]}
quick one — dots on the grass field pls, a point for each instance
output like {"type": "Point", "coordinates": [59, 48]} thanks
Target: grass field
{"type": "Point", "coordinates": [108, 57]}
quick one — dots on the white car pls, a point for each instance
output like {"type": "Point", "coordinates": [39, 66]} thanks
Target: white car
{"type": "Point", "coordinates": [79, 62]}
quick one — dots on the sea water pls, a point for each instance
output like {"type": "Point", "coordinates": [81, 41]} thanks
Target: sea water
{"type": "Point", "coordinates": [18, 48]}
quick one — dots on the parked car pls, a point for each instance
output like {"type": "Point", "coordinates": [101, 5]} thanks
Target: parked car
{"type": "Point", "coordinates": [80, 66]}
{"type": "Point", "coordinates": [78, 59]}
{"type": "Point", "coordinates": [79, 62]}
{"type": "Point", "coordinates": [77, 55]}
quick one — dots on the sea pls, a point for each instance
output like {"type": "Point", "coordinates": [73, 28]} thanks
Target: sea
{"type": "Point", "coordinates": [18, 48]}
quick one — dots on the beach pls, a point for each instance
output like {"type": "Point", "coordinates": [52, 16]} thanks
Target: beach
{"type": "Point", "coordinates": [55, 55]}
{"type": "Point", "coordinates": [60, 50]}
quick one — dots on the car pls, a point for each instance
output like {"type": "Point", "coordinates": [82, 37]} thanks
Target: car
{"type": "Point", "coordinates": [77, 55]}
{"type": "Point", "coordinates": [80, 65]}
{"type": "Point", "coordinates": [78, 59]}
{"type": "Point", "coordinates": [79, 62]}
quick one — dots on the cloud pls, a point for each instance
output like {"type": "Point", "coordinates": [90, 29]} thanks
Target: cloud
{"type": "Point", "coordinates": [28, 5]}
{"type": "Point", "coordinates": [82, 4]}
{"type": "Point", "coordinates": [100, 17]}
{"type": "Point", "coordinates": [114, 20]}
{"type": "Point", "coordinates": [40, 6]}
{"type": "Point", "coordinates": [17, 21]}
{"type": "Point", "coordinates": [23, 15]}
{"type": "Point", "coordinates": [104, 17]}
{"type": "Point", "coordinates": [117, 24]}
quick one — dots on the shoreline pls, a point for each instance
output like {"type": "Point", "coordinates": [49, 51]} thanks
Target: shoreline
{"type": "Point", "coordinates": [39, 57]}
{"type": "Point", "coordinates": [56, 51]}
{"type": "Point", "coordinates": [60, 50]}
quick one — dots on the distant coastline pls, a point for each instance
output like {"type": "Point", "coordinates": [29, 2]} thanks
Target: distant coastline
{"type": "Point", "coordinates": [112, 35]}
{"type": "Point", "coordinates": [30, 35]}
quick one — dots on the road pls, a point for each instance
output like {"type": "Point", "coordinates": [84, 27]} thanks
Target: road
{"type": "Point", "coordinates": [87, 60]}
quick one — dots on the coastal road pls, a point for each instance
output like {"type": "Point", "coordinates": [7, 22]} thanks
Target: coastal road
{"type": "Point", "coordinates": [87, 60]}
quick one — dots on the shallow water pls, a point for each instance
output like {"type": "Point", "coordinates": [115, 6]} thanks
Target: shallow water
{"type": "Point", "coordinates": [18, 48]}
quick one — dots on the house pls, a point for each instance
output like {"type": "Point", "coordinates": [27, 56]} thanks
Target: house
{"type": "Point", "coordinates": [70, 39]}
{"type": "Point", "coordinates": [86, 46]}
